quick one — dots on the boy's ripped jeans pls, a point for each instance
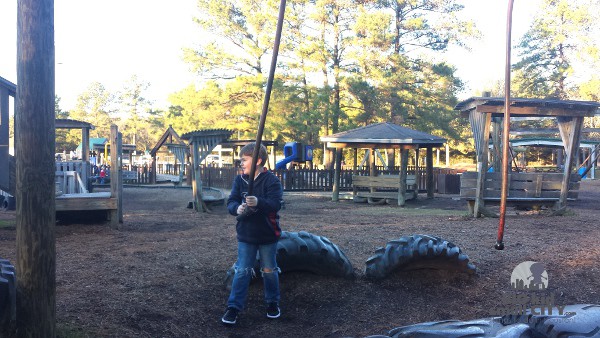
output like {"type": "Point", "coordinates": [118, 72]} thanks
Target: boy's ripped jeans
{"type": "Point", "coordinates": [244, 273]}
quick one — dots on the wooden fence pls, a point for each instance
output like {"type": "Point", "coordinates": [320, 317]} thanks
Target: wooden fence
{"type": "Point", "coordinates": [292, 180]}
{"type": "Point", "coordinates": [308, 179]}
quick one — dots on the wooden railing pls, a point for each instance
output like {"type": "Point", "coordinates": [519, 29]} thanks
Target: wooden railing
{"type": "Point", "coordinates": [307, 179]}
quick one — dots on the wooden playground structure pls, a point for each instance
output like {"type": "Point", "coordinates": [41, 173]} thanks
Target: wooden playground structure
{"type": "Point", "coordinates": [71, 177]}
{"type": "Point", "coordinates": [525, 189]}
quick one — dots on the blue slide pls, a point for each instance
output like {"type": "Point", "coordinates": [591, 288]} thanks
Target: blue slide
{"type": "Point", "coordinates": [282, 163]}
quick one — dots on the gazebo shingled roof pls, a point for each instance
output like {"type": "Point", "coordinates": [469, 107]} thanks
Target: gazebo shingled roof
{"type": "Point", "coordinates": [385, 134]}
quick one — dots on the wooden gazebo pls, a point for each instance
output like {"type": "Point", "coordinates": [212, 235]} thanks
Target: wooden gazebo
{"type": "Point", "coordinates": [386, 136]}
{"type": "Point", "coordinates": [486, 114]}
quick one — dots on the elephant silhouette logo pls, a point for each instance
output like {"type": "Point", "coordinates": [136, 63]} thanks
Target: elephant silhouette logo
{"type": "Point", "coordinates": [529, 276]}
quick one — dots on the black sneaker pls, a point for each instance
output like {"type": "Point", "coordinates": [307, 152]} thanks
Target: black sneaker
{"type": "Point", "coordinates": [273, 310]}
{"type": "Point", "coordinates": [230, 316]}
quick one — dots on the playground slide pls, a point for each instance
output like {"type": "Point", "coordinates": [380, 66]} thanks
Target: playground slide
{"type": "Point", "coordinates": [282, 163]}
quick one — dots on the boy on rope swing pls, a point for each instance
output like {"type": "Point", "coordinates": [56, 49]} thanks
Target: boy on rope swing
{"type": "Point", "coordinates": [257, 231]}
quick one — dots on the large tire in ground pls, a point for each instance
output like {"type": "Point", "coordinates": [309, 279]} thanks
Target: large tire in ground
{"type": "Point", "coordinates": [485, 327]}
{"type": "Point", "coordinates": [8, 294]}
{"type": "Point", "coordinates": [417, 252]}
{"type": "Point", "coordinates": [303, 251]}
{"type": "Point", "coordinates": [579, 320]}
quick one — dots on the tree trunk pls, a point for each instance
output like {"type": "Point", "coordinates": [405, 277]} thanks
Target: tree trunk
{"type": "Point", "coordinates": [34, 150]}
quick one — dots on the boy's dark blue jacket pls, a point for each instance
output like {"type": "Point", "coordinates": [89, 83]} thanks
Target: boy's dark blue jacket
{"type": "Point", "coordinates": [261, 227]}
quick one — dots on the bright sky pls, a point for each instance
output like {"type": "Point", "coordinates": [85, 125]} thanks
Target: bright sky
{"type": "Point", "coordinates": [485, 63]}
{"type": "Point", "coordinates": [109, 41]}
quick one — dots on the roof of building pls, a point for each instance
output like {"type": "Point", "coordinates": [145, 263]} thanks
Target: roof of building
{"type": "Point", "coordinates": [382, 134]}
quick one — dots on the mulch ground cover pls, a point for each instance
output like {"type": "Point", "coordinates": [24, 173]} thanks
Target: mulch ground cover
{"type": "Point", "coordinates": [162, 274]}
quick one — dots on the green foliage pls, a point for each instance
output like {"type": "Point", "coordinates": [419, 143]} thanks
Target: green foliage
{"type": "Point", "coordinates": [94, 106]}
{"type": "Point", "coordinates": [241, 34]}
{"type": "Point", "coordinates": [139, 124]}
{"type": "Point", "coordinates": [361, 52]}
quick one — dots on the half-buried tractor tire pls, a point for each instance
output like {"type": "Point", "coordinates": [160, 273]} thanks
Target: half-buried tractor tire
{"type": "Point", "coordinates": [303, 251]}
{"type": "Point", "coordinates": [417, 252]}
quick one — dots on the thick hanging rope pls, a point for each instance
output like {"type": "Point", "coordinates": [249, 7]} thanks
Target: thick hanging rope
{"type": "Point", "coordinates": [265, 108]}
{"type": "Point", "coordinates": [505, 155]}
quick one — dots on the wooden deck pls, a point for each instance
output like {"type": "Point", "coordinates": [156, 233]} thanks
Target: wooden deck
{"type": "Point", "coordinates": [86, 201]}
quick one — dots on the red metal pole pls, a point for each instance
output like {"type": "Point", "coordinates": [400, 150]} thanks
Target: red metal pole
{"type": "Point", "coordinates": [505, 155]}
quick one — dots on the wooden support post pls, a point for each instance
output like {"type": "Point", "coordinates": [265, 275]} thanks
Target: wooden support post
{"type": "Point", "coordinates": [403, 174]}
{"type": "Point", "coordinates": [429, 173]}
{"type": "Point", "coordinates": [390, 158]}
{"type": "Point", "coordinates": [116, 184]}
{"type": "Point", "coordinates": [570, 132]}
{"type": "Point", "coordinates": [119, 195]}
{"type": "Point", "coordinates": [194, 173]}
{"type": "Point", "coordinates": [85, 155]}
{"type": "Point", "coordinates": [497, 143]}
{"type": "Point", "coordinates": [336, 176]}
{"type": "Point", "coordinates": [480, 123]}
{"type": "Point", "coordinates": [372, 169]}
{"type": "Point", "coordinates": [417, 171]}
{"type": "Point", "coordinates": [355, 163]}
{"type": "Point", "coordinates": [35, 170]}
{"type": "Point", "coordinates": [153, 170]}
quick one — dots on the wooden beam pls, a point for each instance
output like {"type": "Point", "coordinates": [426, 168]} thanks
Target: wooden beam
{"type": "Point", "coordinates": [544, 131]}
{"type": "Point", "coordinates": [73, 204]}
{"type": "Point", "coordinates": [35, 188]}
{"type": "Point", "coordinates": [535, 111]}
{"type": "Point", "coordinates": [570, 131]}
